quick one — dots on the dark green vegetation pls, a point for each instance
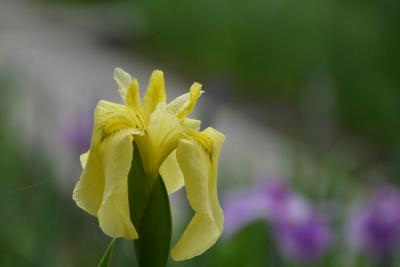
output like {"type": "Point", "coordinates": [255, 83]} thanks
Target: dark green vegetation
{"type": "Point", "coordinates": [278, 49]}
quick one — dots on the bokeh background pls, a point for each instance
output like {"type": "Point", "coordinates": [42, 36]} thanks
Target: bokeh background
{"type": "Point", "coordinates": [307, 93]}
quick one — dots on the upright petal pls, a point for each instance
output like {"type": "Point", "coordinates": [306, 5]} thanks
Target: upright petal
{"type": "Point", "coordinates": [192, 124]}
{"type": "Point", "coordinates": [161, 138]}
{"type": "Point", "coordinates": [128, 89]}
{"type": "Point", "coordinates": [123, 80]}
{"type": "Point", "coordinates": [171, 173]}
{"type": "Point", "coordinates": [133, 99]}
{"type": "Point", "coordinates": [198, 159]}
{"type": "Point", "coordinates": [155, 92]}
{"type": "Point", "coordinates": [183, 105]}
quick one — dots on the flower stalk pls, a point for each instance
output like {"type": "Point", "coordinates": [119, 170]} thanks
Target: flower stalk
{"type": "Point", "coordinates": [149, 203]}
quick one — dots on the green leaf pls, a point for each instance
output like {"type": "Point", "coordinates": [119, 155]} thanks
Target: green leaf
{"type": "Point", "coordinates": [150, 213]}
{"type": "Point", "coordinates": [106, 259]}
{"type": "Point", "coordinates": [153, 245]}
{"type": "Point", "coordinates": [139, 188]}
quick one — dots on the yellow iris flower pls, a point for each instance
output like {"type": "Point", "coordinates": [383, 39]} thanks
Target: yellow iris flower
{"type": "Point", "coordinates": [170, 143]}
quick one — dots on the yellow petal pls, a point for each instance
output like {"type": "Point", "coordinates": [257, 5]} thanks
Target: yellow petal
{"type": "Point", "coordinates": [111, 118]}
{"type": "Point", "coordinates": [182, 106]}
{"type": "Point", "coordinates": [123, 80]}
{"type": "Point", "coordinates": [88, 192]}
{"type": "Point", "coordinates": [102, 188]}
{"type": "Point", "coordinates": [161, 138]}
{"type": "Point", "coordinates": [176, 105]}
{"type": "Point", "coordinates": [171, 173]}
{"type": "Point", "coordinates": [133, 99]}
{"type": "Point", "coordinates": [192, 123]}
{"type": "Point", "coordinates": [128, 89]}
{"type": "Point", "coordinates": [155, 92]}
{"type": "Point", "coordinates": [113, 213]}
{"type": "Point", "coordinates": [198, 159]}
{"type": "Point", "coordinates": [83, 159]}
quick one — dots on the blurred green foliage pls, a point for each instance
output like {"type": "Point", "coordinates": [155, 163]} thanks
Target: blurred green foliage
{"type": "Point", "coordinates": [274, 48]}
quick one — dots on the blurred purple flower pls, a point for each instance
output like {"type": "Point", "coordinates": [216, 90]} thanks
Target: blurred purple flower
{"type": "Point", "coordinates": [77, 134]}
{"type": "Point", "coordinates": [300, 231]}
{"type": "Point", "coordinates": [247, 205]}
{"type": "Point", "coordinates": [375, 227]}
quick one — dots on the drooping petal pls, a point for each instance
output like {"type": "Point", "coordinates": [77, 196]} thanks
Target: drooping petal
{"type": "Point", "coordinates": [112, 118]}
{"type": "Point", "coordinates": [107, 160]}
{"type": "Point", "coordinates": [88, 192]}
{"type": "Point", "coordinates": [198, 159]}
{"type": "Point", "coordinates": [113, 213]}
{"type": "Point", "coordinates": [171, 173]}
{"type": "Point", "coordinates": [155, 92]}
{"type": "Point", "coordinates": [183, 105]}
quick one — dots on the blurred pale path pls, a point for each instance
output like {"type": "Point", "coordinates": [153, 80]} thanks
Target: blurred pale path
{"type": "Point", "coordinates": [62, 71]}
